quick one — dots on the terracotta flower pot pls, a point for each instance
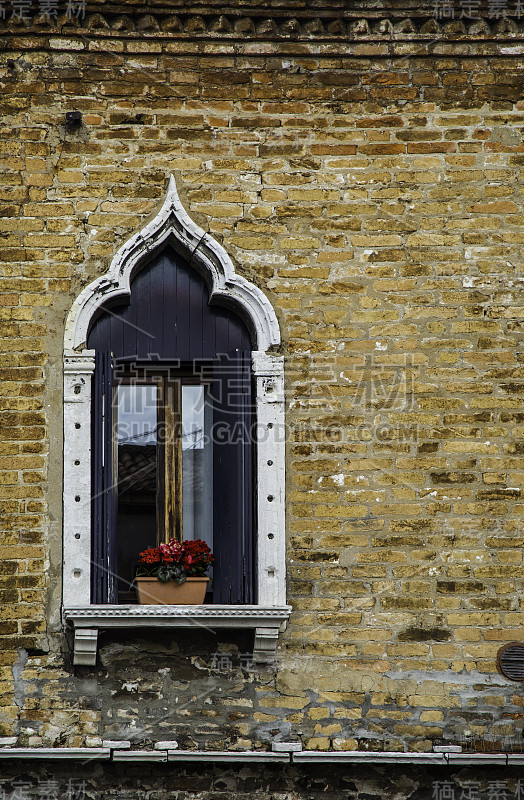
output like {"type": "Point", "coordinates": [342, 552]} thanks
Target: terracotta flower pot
{"type": "Point", "coordinates": [153, 592]}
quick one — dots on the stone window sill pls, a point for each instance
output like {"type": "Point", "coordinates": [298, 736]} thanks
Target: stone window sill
{"type": "Point", "coordinates": [267, 621]}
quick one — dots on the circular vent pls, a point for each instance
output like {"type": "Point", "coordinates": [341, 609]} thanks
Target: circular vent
{"type": "Point", "coordinates": [510, 661]}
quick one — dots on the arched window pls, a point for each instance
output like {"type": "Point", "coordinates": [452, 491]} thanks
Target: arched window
{"type": "Point", "coordinates": [173, 429]}
{"type": "Point", "coordinates": [173, 426]}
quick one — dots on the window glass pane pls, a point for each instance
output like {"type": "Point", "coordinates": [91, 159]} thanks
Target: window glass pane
{"type": "Point", "coordinates": [137, 475]}
{"type": "Point", "coordinates": [137, 415]}
{"type": "Point", "coordinates": [197, 465]}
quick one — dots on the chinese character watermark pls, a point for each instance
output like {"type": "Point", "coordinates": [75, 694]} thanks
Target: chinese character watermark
{"type": "Point", "coordinates": [75, 9]}
{"type": "Point", "coordinates": [470, 9]}
{"type": "Point", "coordinates": [224, 661]}
{"type": "Point", "coordinates": [443, 790]}
{"type": "Point", "coordinates": [21, 10]}
{"type": "Point", "coordinates": [472, 790]}
{"type": "Point", "coordinates": [48, 10]}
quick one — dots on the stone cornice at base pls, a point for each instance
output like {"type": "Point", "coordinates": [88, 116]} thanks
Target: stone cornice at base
{"type": "Point", "coordinates": [361, 757]}
{"type": "Point", "coordinates": [307, 756]}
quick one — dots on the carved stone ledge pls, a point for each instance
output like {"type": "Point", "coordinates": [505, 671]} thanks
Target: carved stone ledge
{"type": "Point", "coordinates": [267, 621]}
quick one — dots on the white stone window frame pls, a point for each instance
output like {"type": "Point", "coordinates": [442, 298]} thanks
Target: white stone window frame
{"type": "Point", "coordinates": [269, 615]}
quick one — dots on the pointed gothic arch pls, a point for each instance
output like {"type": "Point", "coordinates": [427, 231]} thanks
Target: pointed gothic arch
{"type": "Point", "coordinates": [172, 225]}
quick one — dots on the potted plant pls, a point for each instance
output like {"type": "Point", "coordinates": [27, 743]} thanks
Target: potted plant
{"type": "Point", "coordinates": [173, 573]}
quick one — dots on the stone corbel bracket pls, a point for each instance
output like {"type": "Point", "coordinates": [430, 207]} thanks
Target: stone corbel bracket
{"type": "Point", "coordinates": [87, 621]}
{"type": "Point", "coordinates": [173, 225]}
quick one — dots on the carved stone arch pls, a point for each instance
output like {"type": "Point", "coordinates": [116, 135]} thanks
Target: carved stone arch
{"type": "Point", "coordinates": [173, 225]}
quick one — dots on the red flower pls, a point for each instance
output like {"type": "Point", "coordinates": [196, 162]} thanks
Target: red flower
{"type": "Point", "coordinates": [194, 556]}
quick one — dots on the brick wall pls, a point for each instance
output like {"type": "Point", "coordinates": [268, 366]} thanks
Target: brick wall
{"type": "Point", "coordinates": [370, 184]}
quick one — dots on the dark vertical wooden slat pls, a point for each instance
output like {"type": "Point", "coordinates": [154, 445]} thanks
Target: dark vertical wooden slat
{"type": "Point", "coordinates": [143, 316]}
{"type": "Point", "coordinates": [248, 481]}
{"type": "Point", "coordinates": [184, 333]}
{"type": "Point", "coordinates": [103, 529]}
{"type": "Point", "coordinates": [230, 348]}
{"type": "Point", "coordinates": [96, 478]}
{"type": "Point", "coordinates": [221, 335]}
{"type": "Point", "coordinates": [197, 292]}
{"type": "Point", "coordinates": [208, 325]}
{"type": "Point", "coordinates": [225, 529]}
{"type": "Point", "coordinates": [100, 333]}
{"type": "Point", "coordinates": [239, 335]}
{"type": "Point", "coordinates": [176, 324]}
{"type": "Point", "coordinates": [169, 317]}
{"type": "Point", "coordinates": [94, 339]}
{"type": "Point", "coordinates": [232, 481]}
{"type": "Point", "coordinates": [169, 308]}
{"type": "Point", "coordinates": [155, 296]}
{"type": "Point", "coordinates": [117, 326]}
{"type": "Point", "coordinates": [110, 489]}
{"type": "Point", "coordinates": [132, 338]}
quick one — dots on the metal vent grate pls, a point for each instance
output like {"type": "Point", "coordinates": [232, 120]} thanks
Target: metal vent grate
{"type": "Point", "coordinates": [510, 661]}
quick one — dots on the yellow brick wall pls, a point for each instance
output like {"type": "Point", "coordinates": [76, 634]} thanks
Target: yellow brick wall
{"type": "Point", "coordinates": [374, 193]}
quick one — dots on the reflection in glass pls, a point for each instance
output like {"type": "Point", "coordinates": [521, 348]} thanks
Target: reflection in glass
{"type": "Point", "coordinates": [146, 470]}
{"type": "Point", "coordinates": [137, 475]}
{"type": "Point", "coordinates": [197, 465]}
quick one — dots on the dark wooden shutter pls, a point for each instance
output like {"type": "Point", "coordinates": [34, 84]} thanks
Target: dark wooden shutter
{"type": "Point", "coordinates": [104, 496]}
{"type": "Point", "coordinates": [233, 480]}
{"type": "Point", "coordinates": [168, 317]}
